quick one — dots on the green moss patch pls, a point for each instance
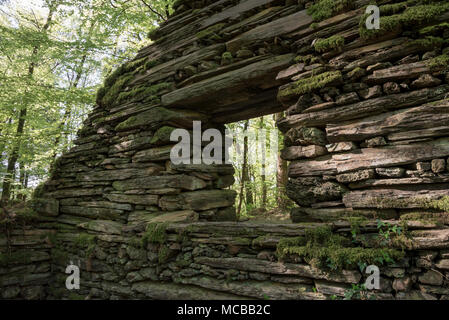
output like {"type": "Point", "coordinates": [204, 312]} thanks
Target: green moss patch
{"type": "Point", "coordinates": [145, 94]}
{"type": "Point", "coordinates": [307, 59]}
{"type": "Point", "coordinates": [86, 241]}
{"type": "Point", "coordinates": [118, 80]}
{"type": "Point", "coordinates": [211, 32]}
{"type": "Point", "coordinates": [310, 84]}
{"type": "Point", "coordinates": [435, 64]}
{"type": "Point", "coordinates": [412, 16]}
{"type": "Point", "coordinates": [155, 233]}
{"type": "Point", "coordinates": [332, 43]}
{"type": "Point", "coordinates": [323, 249]}
{"type": "Point", "coordinates": [443, 203]}
{"type": "Point", "coordinates": [324, 9]}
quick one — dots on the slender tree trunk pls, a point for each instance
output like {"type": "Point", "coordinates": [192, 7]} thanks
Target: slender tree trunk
{"type": "Point", "coordinates": [21, 186]}
{"type": "Point", "coordinates": [281, 174]}
{"type": "Point", "coordinates": [244, 169]}
{"type": "Point", "coordinates": [12, 160]}
{"type": "Point", "coordinates": [263, 174]}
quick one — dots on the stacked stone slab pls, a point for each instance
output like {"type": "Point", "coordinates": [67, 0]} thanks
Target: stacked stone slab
{"type": "Point", "coordinates": [368, 114]}
{"type": "Point", "coordinates": [25, 263]}
{"type": "Point", "coordinates": [366, 132]}
{"type": "Point", "coordinates": [231, 260]}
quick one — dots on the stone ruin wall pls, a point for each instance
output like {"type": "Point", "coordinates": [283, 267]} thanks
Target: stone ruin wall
{"type": "Point", "coordinates": [366, 132]}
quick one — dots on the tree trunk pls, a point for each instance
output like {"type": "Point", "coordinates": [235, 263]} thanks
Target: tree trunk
{"type": "Point", "coordinates": [281, 174]}
{"type": "Point", "coordinates": [12, 160]}
{"type": "Point", "coordinates": [244, 169]}
{"type": "Point", "coordinates": [263, 174]}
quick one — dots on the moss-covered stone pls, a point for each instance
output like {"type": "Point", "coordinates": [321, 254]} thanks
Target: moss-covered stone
{"type": "Point", "coordinates": [414, 16]}
{"type": "Point", "coordinates": [322, 248]}
{"type": "Point", "coordinates": [87, 242]}
{"type": "Point", "coordinates": [211, 33]}
{"type": "Point", "coordinates": [155, 233]}
{"type": "Point", "coordinates": [324, 9]}
{"type": "Point", "coordinates": [332, 43]}
{"type": "Point", "coordinates": [438, 62]}
{"type": "Point", "coordinates": [307, 85]}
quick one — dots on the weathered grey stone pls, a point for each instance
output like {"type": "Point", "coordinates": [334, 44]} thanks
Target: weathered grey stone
{"type": "Point", "coordinates": [305, 191]}
{"type": "Point", "coordinates": [390, 172]}
{"type": "Point", "coordinates": [153, 154]}
{"type": "Point", "coordinates": [424, 81]}
{"type": "Point", "coordinates": [347, 98]}
{"type": "Point", "coordinates": [144, 199]}
{"type": "Point", "coordinates": [375, 142]}
{"type": "Point", "coordinates": [372, 92]}
{"type": "Point", "coordinates": [110, 227]}
{"type": "Point", "coordinates": [402, 284]}
{"type": "Point", "coordinates": [182, 181]}
{"type": "Point", "coordinates": [443, 264]}
{"type": "Point", "coordinates": [176, 216]}
{"type": "Point", "coordinates": [356, 176]}
{"type": "Point", "coordinates": [299, 152]}
{"type": "Point", "coordinates": [198, 200]}
{"type": "Point", "coordinates": [415, 295]}
{"type": "Point", "coordinates": [438, 165]}
{"type": "Point", "coordinates": [431, 277]}
{"type": "Point", "coordinates": [341, 146]}
{"type": "Point", "coordinates": [391, 88]}
{"type": "Point", "coordinates": [305, 136]}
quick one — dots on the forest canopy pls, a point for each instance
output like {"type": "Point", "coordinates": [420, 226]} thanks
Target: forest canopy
{"type": "Point", "coordinates": [54, 54]}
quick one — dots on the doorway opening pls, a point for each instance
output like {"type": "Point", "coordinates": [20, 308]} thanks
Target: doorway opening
{"type": "Point", "coordinates": [260, 172]}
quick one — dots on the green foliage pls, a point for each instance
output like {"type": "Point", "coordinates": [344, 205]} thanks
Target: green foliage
{"type": "Point", "coordinates": [332, 43]}
{"type": "Point", "coordinates": [356, 222]}
{"type": "Point", "coordinates": [53, 71]}
{"type": "Point", "coordinates": [357, 292]}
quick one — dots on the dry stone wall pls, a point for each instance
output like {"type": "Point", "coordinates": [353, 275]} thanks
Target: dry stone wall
{"type": "Point", "coordinates": [25, 263]}
{"type": "Point", "coordinates": [366, 134]}
{"type": "Point", "coordinates": [216, 260]}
